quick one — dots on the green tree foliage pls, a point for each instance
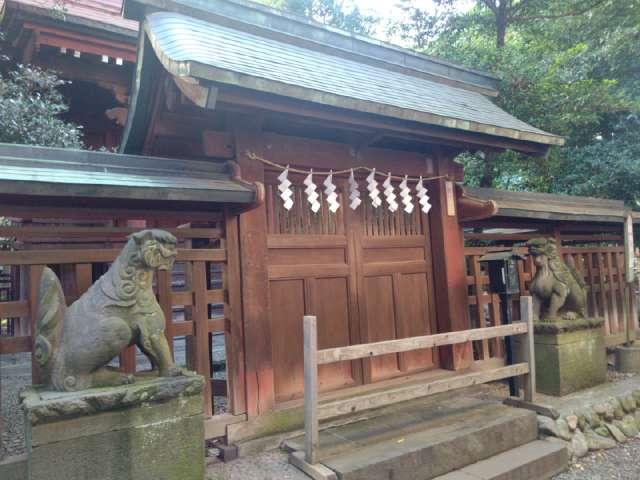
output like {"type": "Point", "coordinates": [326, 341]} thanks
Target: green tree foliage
{"type": "Point", "coordinates": [335, 13]}
{"type": "Point", "coordinates": [568, 67]}
{"type": "Point", "coordinates": [30, 109]}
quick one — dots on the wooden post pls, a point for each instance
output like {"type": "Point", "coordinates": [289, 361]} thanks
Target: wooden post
{"type": "Point", "coordinates": [256, 316]}
{"type": "Point", "coordinates": [528, 348]}
{"type": "Point", "coordinates": [311, 439]}
{"type": "Point", "coordinates": [201, 331]}
{"type": "Point", "coordinates": [450, 275]}
{"type": "Point", "coordinates": [629, 276]}
{"type": "Point", "coordinates": [35, 272]}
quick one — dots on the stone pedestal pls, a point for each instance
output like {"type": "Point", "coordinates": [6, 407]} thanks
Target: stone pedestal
{"type": "Point", "coordinates": [570, 356]}
{"type": "Point", "coordinates": [628, 358]}
{"type": "Point", "coordinates": [150, 430]}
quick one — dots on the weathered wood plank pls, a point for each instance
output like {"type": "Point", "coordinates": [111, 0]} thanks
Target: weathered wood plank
{"type": "Point", "coordinates": [527, 353]}
{"type": "Point", "coordinates": [316, 471]}
{"type": "Point", "coordinates": [366, 350]}
{"type": "Point", "coordinates": [35, 272]}
{"type": "Point", "coordinates": [15, 344]}
{"type": "Point", "coordinates": [59, 256]}
{"type": "Point", "coordinates": [78, 232]}
{"type": "Point", "coordinates": [379, 399]}
{"type": "Point", "coordinates": [234, 342]}
{"type": "Point", "coordinates": [306, 241]}
{"type": "Point", "coordinates": [201, 330]}
{"type": "Point", "coordinates": [311, 435]}
{"type": "Point", "coordinates": [19, 308]}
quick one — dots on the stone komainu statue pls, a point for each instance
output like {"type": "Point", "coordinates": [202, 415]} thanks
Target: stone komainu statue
{"type": "Point", "coordinates": [74, 344]}
{"type": "Point", "coordinates": [558, 288]}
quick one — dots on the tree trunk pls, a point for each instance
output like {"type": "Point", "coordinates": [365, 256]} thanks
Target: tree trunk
{"type": "Point", "coordinates": [501, 23]}
{"type": "Point", "coordinates": [488, 170]}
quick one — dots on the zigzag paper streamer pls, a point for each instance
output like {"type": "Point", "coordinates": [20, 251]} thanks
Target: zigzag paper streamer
{"type": "Point", "coordinates": [389, 195]}
{"type": "Point", "coordinates": [354, 192]}
{"type": "Point", "coordinates": [312, 195]}
{"type": "Point", "coordinates": [330, 193]}
{"type": "Point", "coordinates": [421, 193]}
{"type": "Point", "coordinates": [285, 192]}
{"type": "Point", "coordinates": [405, 193]}
{"type": "Point", "coordinates": [372, 186]}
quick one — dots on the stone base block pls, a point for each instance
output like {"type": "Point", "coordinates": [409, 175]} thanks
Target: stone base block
{"type": "Point", "coordinates": [628, 359]}
{"type": "Point", "coordinates": [152, 430]}
{"type": "Point", "coordinates": [570, 361]}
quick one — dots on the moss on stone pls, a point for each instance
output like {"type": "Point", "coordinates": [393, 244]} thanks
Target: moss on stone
{"type": "Point", "coordinates": [561, 325]}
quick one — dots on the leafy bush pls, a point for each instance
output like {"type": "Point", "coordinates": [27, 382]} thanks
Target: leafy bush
{"type": "Point", "coordinates": [30, 109]}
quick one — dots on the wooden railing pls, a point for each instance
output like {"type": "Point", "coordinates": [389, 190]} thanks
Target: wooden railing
{"type": "Point", "coordinates": [609, 293]}
{"type": "Point", "coordinates": [314, 411]}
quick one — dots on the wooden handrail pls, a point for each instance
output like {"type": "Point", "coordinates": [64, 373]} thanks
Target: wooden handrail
{"type": "Point", "coordinates": [365, 350]}
{"type": "Point", "coordinates": [313, 412]}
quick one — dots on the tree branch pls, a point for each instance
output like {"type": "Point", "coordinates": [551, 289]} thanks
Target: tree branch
{"type": "Point", "coordinates": [491, 5]}
{"type": "Point", "coordinates": [571, 13]}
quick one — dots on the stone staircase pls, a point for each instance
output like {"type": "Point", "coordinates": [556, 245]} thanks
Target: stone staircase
{"type": "Point", "coordinates": [462, 438]}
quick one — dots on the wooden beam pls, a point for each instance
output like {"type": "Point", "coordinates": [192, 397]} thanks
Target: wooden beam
{"type": "Point", "coordinates": [216, 426]}
{"type": "Point", "coordinates": [234, 342]}
{"type": "Point", "coordinates": [527, 348]}
{"type": "Point", "coordinates": [450, 276]}
{"type": "Point", "coordinates": [316, 471]}
{"type": "Point", "coordinates": [311, 425]}
{"type": "Point", "coordinates": [254, 274]}
{"type": "Point", "coordinates": [238, 96]}
{"type": "Point", "coordinates": [59, 256]}
{"type": "Point", "coordinates": [353, 352]}
{"type": "Point", "coordinates": [218, 144]}
{"type": "Point", "coordinates": [401, 394]}
{"type": "Point", "coordinates": [18, 308]}
{"type": "Point", "coordinates": [15, 344]}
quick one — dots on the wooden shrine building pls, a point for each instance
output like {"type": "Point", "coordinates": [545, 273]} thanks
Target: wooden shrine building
{"type": "Point", "coordinates": [87, 43]}
{"type": "Point", "coordinates": [226, 94]}
{"type": "Point", "coordinates": [235, 81]}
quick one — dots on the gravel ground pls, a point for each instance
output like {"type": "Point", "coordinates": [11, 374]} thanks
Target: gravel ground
{"type": "Point", "coordinates": [15, 374]}
{"type": "Point", "coordinates": [272, 465]}
{"type": "Point", "coordinates": [620, 463]}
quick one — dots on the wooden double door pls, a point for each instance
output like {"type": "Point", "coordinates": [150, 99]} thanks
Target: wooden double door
{"type": "Point", "coordinates": [366, 275]}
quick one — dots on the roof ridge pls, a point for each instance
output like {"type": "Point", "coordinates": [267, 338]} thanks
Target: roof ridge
{"type": "Point", "coordinates": [248, 15]}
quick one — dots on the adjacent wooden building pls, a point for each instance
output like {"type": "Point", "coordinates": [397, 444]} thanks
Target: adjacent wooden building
{"type": "Point", "coordinates": [89, 44]}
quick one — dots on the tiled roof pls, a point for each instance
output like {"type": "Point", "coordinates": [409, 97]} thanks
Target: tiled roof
{"type": "Point", "coordinates": [190, 47]}
{"type": "Point", "coordinates": [100, 12]}
{"type": "Point", "coordinates": [28, 170]}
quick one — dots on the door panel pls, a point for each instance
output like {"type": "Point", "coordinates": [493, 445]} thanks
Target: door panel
{"type": "Point", "coordinates": [380, 314]}
{"type": "Point", "coordinates": [287, 310]}
{"type": "Point", "coordinates": [331, 306]}
{"type": "Point", "coordinates": [413, 318]}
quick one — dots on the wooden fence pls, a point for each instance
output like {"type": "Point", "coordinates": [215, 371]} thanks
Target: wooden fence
{"type": "Point", "coordinates": [199, 298]}
{"type": "Point", "coordinates": [315, 411]}
{"type": "Point", "coordinates": [609, 295]}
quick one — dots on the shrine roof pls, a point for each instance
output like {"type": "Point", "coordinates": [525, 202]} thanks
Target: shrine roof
{"type": "Point", "coordinates": [552, 207]}
{"type": "Point", "coordinates": [54, 172]}
{"type": "Point", "coordinates": [94, 15]}
{"type": "Point", "coordinates": [236, 43]}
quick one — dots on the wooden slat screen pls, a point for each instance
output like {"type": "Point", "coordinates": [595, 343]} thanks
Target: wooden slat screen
{"type": "Point", "coordinates": [194, 297]}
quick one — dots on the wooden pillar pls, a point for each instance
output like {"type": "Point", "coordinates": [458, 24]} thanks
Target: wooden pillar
{"type": "Point", "coordinates": [252, 225]}
{"type": "Point", "coordinates": [449, 271]}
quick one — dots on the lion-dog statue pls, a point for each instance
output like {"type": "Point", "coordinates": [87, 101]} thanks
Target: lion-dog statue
{"type": "Point", "coordinates": [557, 288]}
{"type": "Point", "coordinates": [74, 344]}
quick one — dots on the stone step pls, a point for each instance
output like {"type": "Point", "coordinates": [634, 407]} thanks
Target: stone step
{"type": "Point", "coordinates": [537, 460]}
{"type": "Point", "coordinates": [423, 441]}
